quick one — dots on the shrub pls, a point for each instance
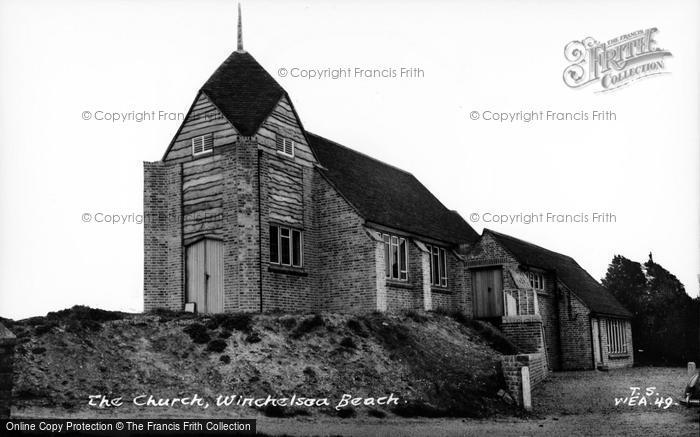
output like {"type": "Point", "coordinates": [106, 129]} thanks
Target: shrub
{"type": "Point", "coordinates": [345, 413]}
{"type": "Point", "coordinates": [225, 359]}
{"type": "Point", "coordinates": [357, 327]}
{"type": "Point", "coordinates": [253, 337]}
{"type": "Point", "coordinates": [84, 313]}
{"type": "Point", "coordinates": [38, 350]}
{"type": "Point", "coordinates": [197, 332]}
{"type": "Point", "coordinates": [416, 316]}
{"type": "Point", "coordinates": [307, 325]}
{"type": "Point", "coordinates": [217, 345]}
{"type": "Point", "coordinates": [288, 321]}
{"type": "Point", "coordinates": [44, 328]}
{"type": "Point", "coordinates": [348, 342]}
{"type": "Point", "coordinates": [238, 322]}
{"type": "Point", "coordinates": [225, 334]}
{"type": "Point", "coordinates": [373, 412]}
{"type": "Point", "coordinates": [310, 372]}
{"type": "Point", "coordinates": [417, 409]}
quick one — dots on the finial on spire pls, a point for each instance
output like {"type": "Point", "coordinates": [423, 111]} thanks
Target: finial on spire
{"type": "Point", "coordinates": [240, 30]}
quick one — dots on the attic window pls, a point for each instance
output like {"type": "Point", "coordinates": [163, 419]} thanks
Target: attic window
{"type": "Point", "coordinates": [285, 146]}
{"type": "Point", "coordinates": [202, 144]}
{"type": "Point", "coordinates": [536, 280]}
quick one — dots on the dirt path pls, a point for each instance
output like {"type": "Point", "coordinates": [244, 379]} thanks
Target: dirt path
{"type": "Point", "coordinates": [568, 403]}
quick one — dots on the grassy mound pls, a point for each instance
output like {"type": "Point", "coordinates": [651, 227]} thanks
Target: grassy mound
{"type": "Point", "coordinates": [439, 365]}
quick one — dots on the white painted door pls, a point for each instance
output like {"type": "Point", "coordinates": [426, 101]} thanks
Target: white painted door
{"type": "Point", "coordinates": [205, 281]}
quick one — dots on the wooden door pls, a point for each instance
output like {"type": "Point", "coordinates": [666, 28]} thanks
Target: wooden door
{"type": "Point", "coordinates": [205, 280]}
{"type": "Point", "coordinates": [488, 293]}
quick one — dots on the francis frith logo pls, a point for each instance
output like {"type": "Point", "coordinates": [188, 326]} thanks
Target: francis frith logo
{"type": "Point", "coordinates": [614, 63]}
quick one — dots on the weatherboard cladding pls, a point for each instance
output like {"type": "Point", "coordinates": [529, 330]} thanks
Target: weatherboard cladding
{"type": "Point", "coordinates": [596, 297]}
{"type": "Point", "coordinates": [385, 195]}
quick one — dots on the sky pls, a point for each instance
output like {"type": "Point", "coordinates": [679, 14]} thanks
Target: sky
{"type": "Point", "coordinates": [66, 66]}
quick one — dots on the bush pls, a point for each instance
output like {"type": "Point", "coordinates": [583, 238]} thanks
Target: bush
{"type": "Point", "coordinates": [416, 316]}
{"type": "Point", "coordinates": [238, 322]}
{"type": "Point", "coordinates": [44, 328]}
{"type": "Point", "coordinates": [198, 333]}
{"type": "Point", "coordinates": [373, 412]}
{"type": "Point", "coordinates": [217, 345]}
{"type": "Point", "coordinates": [418, 409]}
{"type": "Point", "coordinates": [288, 321]}
{"type": "Point", "coordinates": [357, 327]}
{"type": "Point", "coordinates": [38, 350]}
{"type": "Point", "coordinates": [345, 413]}
{"type": "Point", "coordinates": [348, 342]}
{"type": "Point", "coordinates": [81, 317]}
{"type": "Point", "coordinates": [82, 312]}
{"type": "Point", "coordinates": [307, 325]}
{"type": "Point", "coordinates": [225, 334]}
{"type": "Point", "coordinates": [310, 372]}
{"type": "Point", "coordinates": [253, 337]}
{"type": "Point", "coordinates": [225, 359]}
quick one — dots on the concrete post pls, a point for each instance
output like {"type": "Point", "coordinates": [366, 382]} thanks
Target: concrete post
{"type": "Point", "coordinates": [527, 397]}
{"type": "Point", "coordinates": [7, 352]}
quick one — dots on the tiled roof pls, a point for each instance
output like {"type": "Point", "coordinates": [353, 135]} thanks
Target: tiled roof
{"type": "Point", "coordinates": [243, 91]}
{"type": "Point", "coordinates": [388, 196]}
{"type": "Point", "coordinates": [596, 297]}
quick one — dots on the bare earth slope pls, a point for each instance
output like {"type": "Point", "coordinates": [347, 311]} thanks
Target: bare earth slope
{"type": "Point", "coordinates": [437, 365]}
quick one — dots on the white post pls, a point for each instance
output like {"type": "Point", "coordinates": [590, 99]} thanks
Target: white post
{"type": "Point", "coordinates": [691, 368]}
{"type": "Point", "coordinates": [525, 384]}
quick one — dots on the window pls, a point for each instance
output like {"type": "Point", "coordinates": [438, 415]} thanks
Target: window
{"type": "Point", "coordinates": [285, 146]}
{"type": "Point", "coordinates": [286, 247]}
{"type": "Point", "coordinates": [536, 280]}
{"type": "Point", "coordinates": [202, 144]}
{"type": "Point", "coordinates": [438, 266]}
{"type": "Point", "coordinates": [395, 257]}
{"type": "Point", "coordinates": [617, 336]}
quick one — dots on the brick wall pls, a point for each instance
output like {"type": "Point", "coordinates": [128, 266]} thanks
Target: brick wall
{"type": "Point", "coordinates": [511, 366]}
{"type": "Point", "coordinates": [290, 289]}
{"type": "Point", "coordinates": [550, 321]}
{"type": "Point", "coordinates": [7, 352]}
{"type": "Point", "coordinates": [348, 256]}
{"type": "Point", "coordinates": [163, 252]}
{"type": "Point", "coordinates": [525, 332]}
{"type": "Point", "coordinates": [402, 295]}
{"type": "Point", "coordinates": [575, 332]}
{"type": "Point", "coordinates": [241, 228]}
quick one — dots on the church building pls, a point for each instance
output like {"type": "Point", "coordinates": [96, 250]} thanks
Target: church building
{"type": "Point", "coordinates": [248, 211]}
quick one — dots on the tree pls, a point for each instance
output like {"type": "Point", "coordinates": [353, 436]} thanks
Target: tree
{"type": "Point", "coordinates": [665, 322]}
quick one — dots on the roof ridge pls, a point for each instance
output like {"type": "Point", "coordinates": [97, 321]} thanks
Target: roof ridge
{"type": "Point", "coordinates": [361, 154]}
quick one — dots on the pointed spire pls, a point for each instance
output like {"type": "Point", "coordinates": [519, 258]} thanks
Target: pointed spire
{"type": "Point", "coordinates": [240, 30]}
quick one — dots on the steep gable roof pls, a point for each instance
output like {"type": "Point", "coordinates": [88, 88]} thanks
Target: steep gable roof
{"type": "Point", "coordinates": [244, 92]}
{"type": "Point", "coordinates": [596, 297]}
{"type": "Point", "coordinates": [388, 196]}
